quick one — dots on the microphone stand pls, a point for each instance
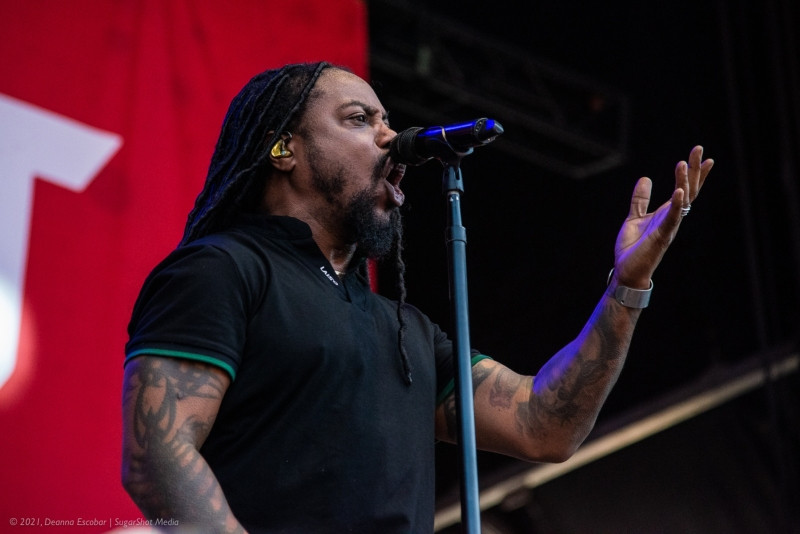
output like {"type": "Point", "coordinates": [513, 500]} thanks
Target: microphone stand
{"type": "Point", "coordinates": [456, 239]}
{"type": "Point", "coordinates": [449, 144]}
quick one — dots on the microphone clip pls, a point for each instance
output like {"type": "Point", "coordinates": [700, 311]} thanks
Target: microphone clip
{"type": "Point", "coordinates": [448, 144]}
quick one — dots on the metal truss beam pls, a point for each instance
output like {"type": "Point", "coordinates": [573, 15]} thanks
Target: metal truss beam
{"type": "Point", "coordinates": [441, 72]}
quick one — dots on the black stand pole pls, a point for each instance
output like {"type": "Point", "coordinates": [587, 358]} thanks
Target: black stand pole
{"type": "Point", "coordinates": [456, 238]}
{"type": "Point", "coordinates": [449, 144]}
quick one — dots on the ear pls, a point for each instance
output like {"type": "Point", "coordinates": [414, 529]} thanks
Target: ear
{"type": "Point", "coordinates": [280, 154]}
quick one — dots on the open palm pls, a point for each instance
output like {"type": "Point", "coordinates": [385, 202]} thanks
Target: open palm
{"type": "Point", "coordinates": [645, 237]}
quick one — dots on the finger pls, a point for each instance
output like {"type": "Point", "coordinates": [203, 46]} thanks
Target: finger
{"type": "Point", "coordinates": [698, 171]}
{"type": "Point", "coordinates": [676, 204]}
{"type": "Point", "coordinates": [641, 198]}
{"type": "Point", "coordinates": [682, 180]}
{"type": "Point", "coordinates": [705, 168]}
{"type": "Point", "coordinates": [694, 171]}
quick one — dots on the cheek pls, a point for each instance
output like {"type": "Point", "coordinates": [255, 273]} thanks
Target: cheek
{"type": "Point", "coordinates": [377, 171]}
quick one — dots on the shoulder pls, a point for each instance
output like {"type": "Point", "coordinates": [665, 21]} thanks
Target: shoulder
{"type": "Point", "coordinates": [233, 252]}
{"type": "Point", "coordinates": [216, 267]}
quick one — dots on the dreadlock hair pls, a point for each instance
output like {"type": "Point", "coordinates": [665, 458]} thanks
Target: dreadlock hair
{"type": "Point", "coordinates": [400, 265]}
{"type": "Point", "coordinates": [272, 101]}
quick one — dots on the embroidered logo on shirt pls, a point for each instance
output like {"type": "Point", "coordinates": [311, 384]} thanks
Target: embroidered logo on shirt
{"type": "Point", "coordinates": [332, 279]}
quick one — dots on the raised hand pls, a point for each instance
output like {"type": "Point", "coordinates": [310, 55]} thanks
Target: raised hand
{"type": "Point", "coordinates": [645, 237]}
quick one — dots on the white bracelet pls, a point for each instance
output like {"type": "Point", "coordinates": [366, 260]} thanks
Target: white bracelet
{"type": "Point", "coordinates": [629, 297]}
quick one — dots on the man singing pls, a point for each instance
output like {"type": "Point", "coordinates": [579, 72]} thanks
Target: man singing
{"type": "Point", "coordinates": [268, 389]}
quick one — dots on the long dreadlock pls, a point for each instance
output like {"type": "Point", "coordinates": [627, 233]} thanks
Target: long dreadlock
{"type": "Point", "coordinates": [400, 265]}
{"type": "Point", "coordinates": [270, 102]}
{"type": "Point", "coordinates": [273, 101]}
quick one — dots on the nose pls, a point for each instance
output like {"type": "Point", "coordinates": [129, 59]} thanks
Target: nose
{"type": "Point", "coordinates": [385, 136]}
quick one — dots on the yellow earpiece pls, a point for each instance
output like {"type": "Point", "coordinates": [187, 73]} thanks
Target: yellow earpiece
{"type": "Point", "coordinates": [279, 149]}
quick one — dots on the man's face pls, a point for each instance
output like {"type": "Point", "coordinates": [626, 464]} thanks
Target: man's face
{"type": "Point", "coordinates": [345, 140]}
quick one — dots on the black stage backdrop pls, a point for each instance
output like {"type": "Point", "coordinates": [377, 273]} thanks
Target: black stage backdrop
{"type": "Point", "coordinates": [540, 239]}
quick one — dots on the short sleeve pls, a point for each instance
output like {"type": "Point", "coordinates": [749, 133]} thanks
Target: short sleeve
{"type": "Point", "coordinates": [445, 368]}
{"type": "Point", "coordinates": [193, 305]}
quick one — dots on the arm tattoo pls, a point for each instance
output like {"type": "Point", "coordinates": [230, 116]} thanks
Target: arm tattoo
{"type": "Point", "coordinates": [504, 388]}
{"type": "Point", "coordinates": [168, 478]}
{"type": "Point", "coordinates": [153, 424]}
{"type": "Point", "coordinates": [576, 385]}
{"type": "Point", "coordinates": [479, 374]}
{"type": "Point", "coordinates": [560, 403]}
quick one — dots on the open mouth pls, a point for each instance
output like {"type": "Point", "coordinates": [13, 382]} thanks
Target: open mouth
{"type": "Point", "coordinates": [394, 174]}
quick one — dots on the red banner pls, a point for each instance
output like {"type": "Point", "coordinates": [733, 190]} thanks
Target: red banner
{"type": "Point", "coordinates": [109, 112]}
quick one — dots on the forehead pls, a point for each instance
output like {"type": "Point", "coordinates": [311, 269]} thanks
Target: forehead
{"type": "Point", "coordinates": [337, 87]}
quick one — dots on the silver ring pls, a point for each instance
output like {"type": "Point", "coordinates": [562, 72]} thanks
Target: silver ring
{"type": "Point", "coordinates": [685, 211]}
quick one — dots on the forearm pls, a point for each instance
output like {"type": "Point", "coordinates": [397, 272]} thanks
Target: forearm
{"type": "Point", "coordinates": [173, 481]}
{"type": "Point", "coordinates": [569, 390]}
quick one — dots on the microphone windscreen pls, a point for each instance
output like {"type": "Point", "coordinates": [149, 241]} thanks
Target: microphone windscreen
{"type": "Point", "coordinates": [402, 148]}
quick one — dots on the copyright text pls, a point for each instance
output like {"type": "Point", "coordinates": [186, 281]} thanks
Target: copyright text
{"type": "Point", "coordinates": [109, 522]}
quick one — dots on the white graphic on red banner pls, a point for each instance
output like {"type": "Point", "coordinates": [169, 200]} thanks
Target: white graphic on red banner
{"type": "Point", "coordinates": [35, 143]}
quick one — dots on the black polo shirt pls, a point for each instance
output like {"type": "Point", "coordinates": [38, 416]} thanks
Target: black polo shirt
{"type": "Point", "coordinates": [318, 431]}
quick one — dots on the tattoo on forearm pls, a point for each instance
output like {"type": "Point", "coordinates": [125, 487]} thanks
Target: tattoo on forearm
{"type": "Point", "coordinates": [185, 485]}
{"type": "Point", "coordinates": [561, 401]}
{"type": "Point", "coordinates": [576, 387]}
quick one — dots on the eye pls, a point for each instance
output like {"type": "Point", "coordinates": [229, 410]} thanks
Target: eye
{"type": "Point", "coordinates": [359, 117]}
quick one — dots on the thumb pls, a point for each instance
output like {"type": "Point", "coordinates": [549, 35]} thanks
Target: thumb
{"type": "Point", "coordinates": [641, 198]}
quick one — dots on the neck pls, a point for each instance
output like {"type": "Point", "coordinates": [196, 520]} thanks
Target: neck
{"type": "Point", "coordinates": [324, 227]}
{"type": "Point", "coordinates": [339, 258]}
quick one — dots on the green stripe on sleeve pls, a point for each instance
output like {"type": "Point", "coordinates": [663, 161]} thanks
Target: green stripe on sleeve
{"type": "Point", "coordinates": [186, 355]}
{"type": "Point", "coordinates": [451, 386]}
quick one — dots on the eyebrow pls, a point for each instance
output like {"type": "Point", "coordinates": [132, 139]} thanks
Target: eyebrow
{"type": "Point", "coordinates": [370, 110]}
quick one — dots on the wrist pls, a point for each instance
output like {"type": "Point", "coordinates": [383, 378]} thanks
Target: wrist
{"type": "Point", "coordinates": [628, 296]}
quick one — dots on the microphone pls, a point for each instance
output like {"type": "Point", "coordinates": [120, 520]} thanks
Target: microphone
{"type": "Point", "coordinates": [415, 146]}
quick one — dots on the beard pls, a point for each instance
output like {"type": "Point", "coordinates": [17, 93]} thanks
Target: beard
{"type": "Point", "coordinates": [374, 236]}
